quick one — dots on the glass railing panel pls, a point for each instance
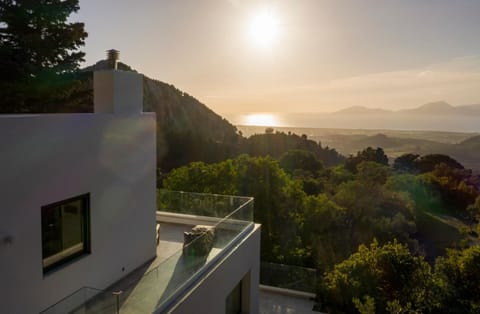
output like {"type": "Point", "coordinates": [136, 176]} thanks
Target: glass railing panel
{"type": "Point", "coordinates": [210, 205]}
{"type": "Point", "coordinates": [229, 228]}
{"type": "Point", "coordinates": [288, 277]}
{"type": "Point", "coordinates": [155, 289]}
{"type": "Point", "coordinates": [182, 268]}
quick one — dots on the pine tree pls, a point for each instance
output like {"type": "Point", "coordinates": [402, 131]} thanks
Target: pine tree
{"type": "Point", "coordinates": [38, 53]}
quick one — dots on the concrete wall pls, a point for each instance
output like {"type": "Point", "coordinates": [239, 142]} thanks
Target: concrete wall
{"type": "Point", "coordinates": [49, 158]}
{"type": "Point", "coordinates": [209, 295]}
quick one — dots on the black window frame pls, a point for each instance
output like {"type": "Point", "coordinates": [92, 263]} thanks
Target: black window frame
{"type": "Point", "coordinates": [85, 216]}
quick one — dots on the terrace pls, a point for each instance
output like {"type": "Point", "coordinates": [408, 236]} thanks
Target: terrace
{"type": "Point", "coordinates": [157, 285]}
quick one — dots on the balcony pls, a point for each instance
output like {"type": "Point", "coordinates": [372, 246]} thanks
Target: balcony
{"type": "Point", "coordinates": [156, 286]}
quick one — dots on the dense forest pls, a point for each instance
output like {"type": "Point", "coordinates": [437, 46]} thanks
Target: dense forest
{"type": "Point", "coordinates": [398, 238]}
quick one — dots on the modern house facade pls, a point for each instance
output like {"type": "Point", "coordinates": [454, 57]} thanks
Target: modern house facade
{"type": "Point", "coordinates": [79, 209]}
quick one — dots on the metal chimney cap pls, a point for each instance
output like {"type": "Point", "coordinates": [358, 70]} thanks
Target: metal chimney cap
{"type": "Point", "coordinates": [112, 57]}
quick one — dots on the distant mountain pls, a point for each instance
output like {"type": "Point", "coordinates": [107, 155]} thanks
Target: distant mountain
{"type": "Point", "coordinates": [361, 110]}
{"type": "Point", "coordinates": [435, 116]}
{"type": "Point", "coordinates": [442, 108]}
{"type": "Point", "coordinates": [438, 108]}
{"type": "Point", "coordinates": [472, 108]}
{"type": "Point", "coordinates": [433, 108]}
{"type": "Point", "coordinates": [468, 151]}
{"type": "Point", "coordinates": [472, 143]}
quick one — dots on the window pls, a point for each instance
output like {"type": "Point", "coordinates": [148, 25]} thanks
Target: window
{"type": "Point", "coordinates": [65, 231]}
{"type": "Point", "coordinates": [234, 300]}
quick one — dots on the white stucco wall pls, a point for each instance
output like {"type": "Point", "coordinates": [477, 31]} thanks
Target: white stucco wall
{"type": "Point", "coordinates": [210, 294]}
{"type": "Point", "coordinates": [49, 158]}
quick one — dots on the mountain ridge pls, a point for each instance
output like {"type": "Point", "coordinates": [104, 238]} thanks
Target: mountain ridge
{"type": "Point", "coordinates": [189, 131]}
{"type": "Point", "coordinates": [431, 108]}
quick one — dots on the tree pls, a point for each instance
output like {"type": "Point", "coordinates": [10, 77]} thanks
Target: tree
{"type": "Point", "coordinates": [387, 276]}
{"type": "Point", "coordinates": [406, 163]}
{"type": "Point", "coordinates": [324, 225]}
{"type": "Point", "coordinates": [428, 163]}
{"type": "Point", "coordinates": [372, 173]}
{"type": "Point", "coordinates": [460, 280]}
{"type": "Point", "coordinates": [38, 53]}
{"type": "Point", "coordinates": [300, 159]}
{"type": "Point", "coordinates": [473, 210]}
{"type": "Point", "coordinates": [372, 211]}
{"type": "Point", "coordinates": [278, 198]}
{"type": "Point", "coordinates": [368, 154]}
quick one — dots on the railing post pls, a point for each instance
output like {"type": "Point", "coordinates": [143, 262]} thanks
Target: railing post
{"type": "Point", "coordinates": [117, 295]}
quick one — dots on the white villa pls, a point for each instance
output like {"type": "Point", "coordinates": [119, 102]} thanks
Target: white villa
{"type": "Point", "coordinates": [79, 218]}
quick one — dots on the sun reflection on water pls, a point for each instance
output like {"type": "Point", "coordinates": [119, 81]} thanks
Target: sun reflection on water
{"type": "Point", "coordinates": [260, 119]}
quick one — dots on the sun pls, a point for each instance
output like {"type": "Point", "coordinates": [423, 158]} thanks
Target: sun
{"type": "Point", "coordinates": [264, 28]}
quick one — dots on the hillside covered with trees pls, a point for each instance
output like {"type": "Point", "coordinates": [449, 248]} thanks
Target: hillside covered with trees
{"type": "Point", "coordinates": [383, 237]}
{"type": "Point", "coordinates": [187, 130]}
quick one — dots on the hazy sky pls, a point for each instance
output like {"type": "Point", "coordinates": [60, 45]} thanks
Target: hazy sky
{"type": "Point", "coordinates": [308, 56]}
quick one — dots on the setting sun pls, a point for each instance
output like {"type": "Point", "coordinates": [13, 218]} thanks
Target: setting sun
{"type": "Point", "coordinates": [264, 28]}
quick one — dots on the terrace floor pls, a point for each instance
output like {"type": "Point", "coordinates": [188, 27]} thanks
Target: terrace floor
{"type": "Point", "coordinates": [147, 287]}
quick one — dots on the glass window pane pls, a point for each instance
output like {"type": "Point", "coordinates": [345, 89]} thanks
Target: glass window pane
{"type": "Point", "coordinates": [51, 231]}
{"type": "Point", "coordinates": [72, 224]}
{"type": "Point", "coordinates": [234, 300]}
{"type": "Point", "coordinates": [64, 230]}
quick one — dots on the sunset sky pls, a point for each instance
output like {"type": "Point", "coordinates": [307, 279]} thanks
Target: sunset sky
{"type": "Point", "coordinates": [296, 55]}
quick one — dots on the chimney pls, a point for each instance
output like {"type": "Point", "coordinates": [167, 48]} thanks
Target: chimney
{"type": "Point", "coordinates": [112, 58]}
{"type": "Point", "coordinates": [115, 91]}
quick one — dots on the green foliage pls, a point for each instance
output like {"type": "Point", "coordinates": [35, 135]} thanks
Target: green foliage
{"type": "Point", "coordinates": [300, 159]}
{"type": "Point", "coordinates": [278, 199]}
{"type": "Point", "coordinates": [400, 212]}
{"type": "Point", "coordinates": [368, 154]}
{"type": "Point", "coordinates": [38, 53]}
{"type": "Point", "coordinates": [460, 280]}
{"type": "Point", "coordinates": [418, 189]}
{"type": "Point", "coordinates": [305, 167]}
{"type": "Point", "coordinates": [324, 231]}
{"type": "Point", "coordinates": [373, 211]}
{"type": "Point", "coordinates": [276, 144]}
{"type": "Point", "coordinates": [428, 163]}
{"type": "Point", "coordinates": [335, 176]}
{"type": "Point", "coordinates": [406, 163]}
{"type": "Point", "coordinates": [473, 210]}
{"type": "Point", "coordinates": [370, 172]}
{"type": "Point", "coordinates": [201, 177]}
{"type": "Point", "coordinates": [366, 307]}
{"type": "Point", "coordinates": [394, 307]}
{"type": "Point", "coordinates": [380, 274]}
{"type": "Point", "coordinates": [454, 186]}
